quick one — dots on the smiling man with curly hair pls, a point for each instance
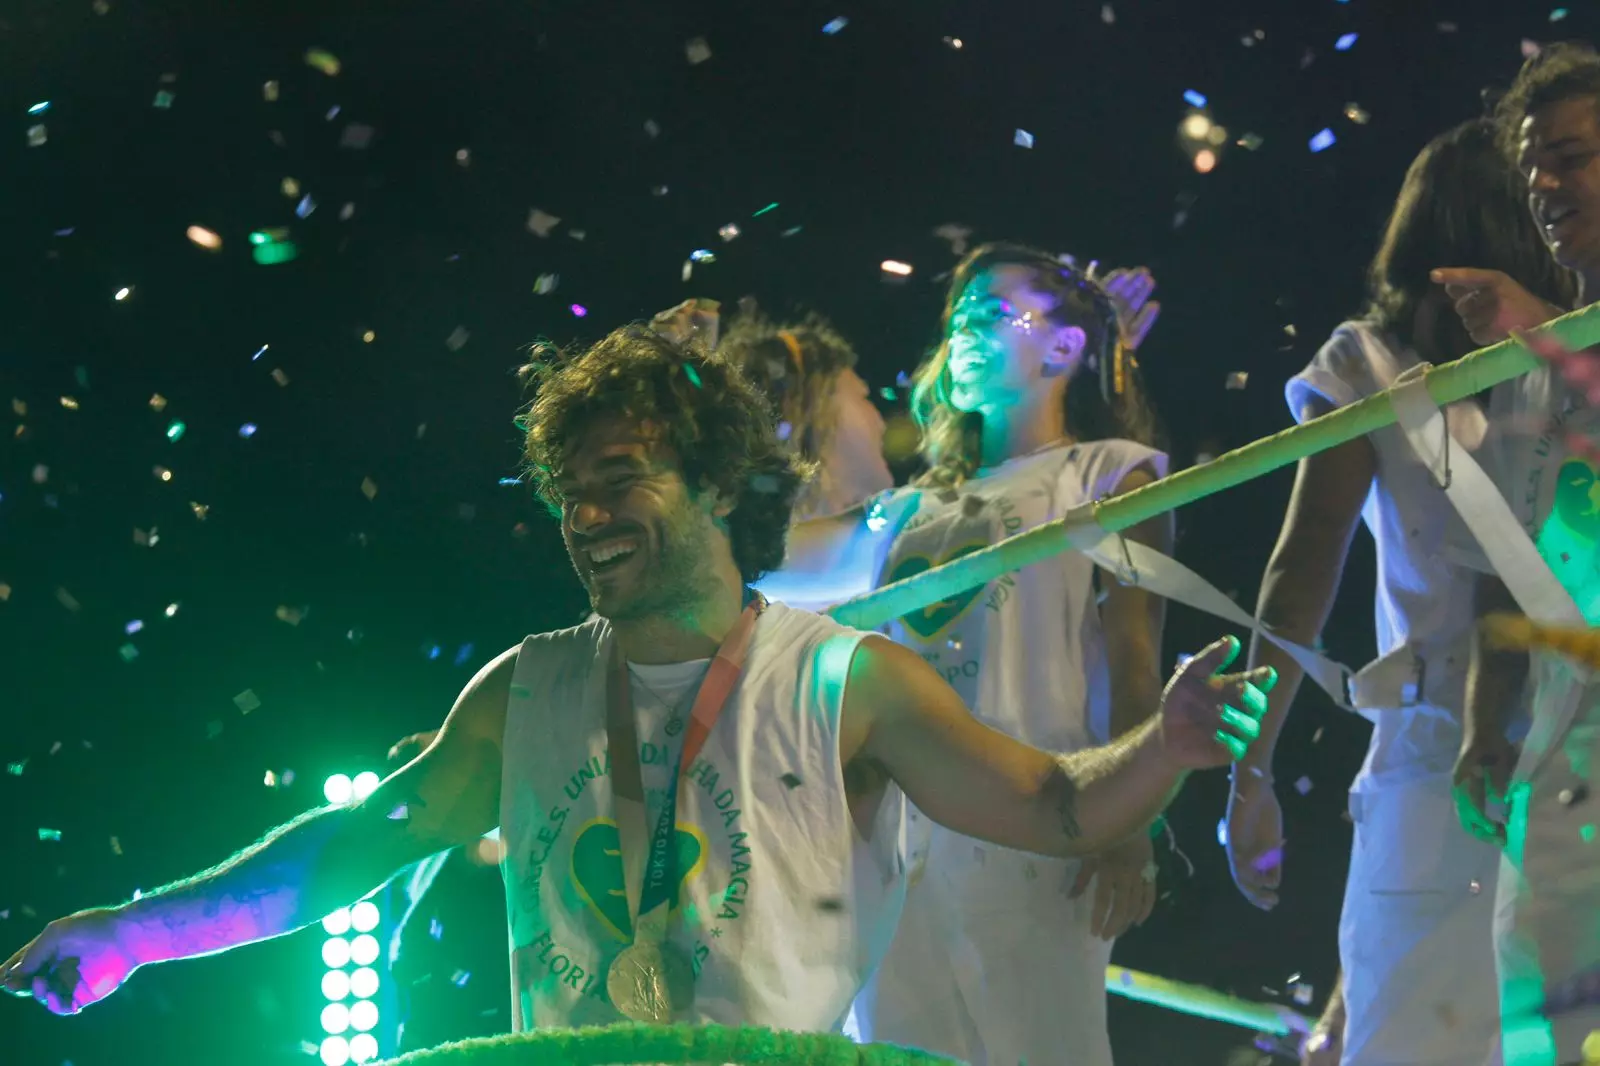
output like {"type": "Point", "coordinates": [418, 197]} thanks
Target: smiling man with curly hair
{"type": "Point", "coordinates": [698, 793]}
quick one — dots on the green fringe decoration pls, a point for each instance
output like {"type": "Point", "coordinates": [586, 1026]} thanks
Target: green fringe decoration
{"type": "Point", "coordinates": [667, 1045]}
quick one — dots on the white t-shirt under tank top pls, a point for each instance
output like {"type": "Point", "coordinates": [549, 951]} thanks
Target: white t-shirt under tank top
{"type": "Point", "coordinates": [785, 908]}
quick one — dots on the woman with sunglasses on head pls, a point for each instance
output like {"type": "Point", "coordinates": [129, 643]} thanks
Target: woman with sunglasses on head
{"type": "Point", "coordinates": [1029, 407]}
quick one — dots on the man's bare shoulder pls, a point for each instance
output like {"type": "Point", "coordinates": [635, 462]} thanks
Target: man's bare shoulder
{"type": "Point", "coordinates": [480, 710]}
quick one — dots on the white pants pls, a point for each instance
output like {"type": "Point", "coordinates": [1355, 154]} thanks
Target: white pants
{"type": "Point", "coordinates": [1547, 920]}
{"type": "Point", "coordinates": [993, 964]}
{"type": "Point", "coordinates": [1416, 932]}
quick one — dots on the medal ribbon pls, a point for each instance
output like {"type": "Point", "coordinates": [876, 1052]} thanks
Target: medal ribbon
{"type": "Point", "coordinates": [652, 907]}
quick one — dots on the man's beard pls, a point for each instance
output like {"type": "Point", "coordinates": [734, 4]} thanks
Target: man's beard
{"type": "Point", "coordinates": [679, 577]}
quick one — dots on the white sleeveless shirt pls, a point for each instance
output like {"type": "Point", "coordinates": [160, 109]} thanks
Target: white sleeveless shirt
{"type": "Point", "coordinates": [1025, 652]}
{"type": "Point", "coordinates": [784, 908]}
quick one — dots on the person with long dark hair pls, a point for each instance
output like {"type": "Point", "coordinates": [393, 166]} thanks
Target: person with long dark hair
{"type": "Point", "coordinates": [1416, 931]}
{"type": "Point", "coordinates": [1030, 405]}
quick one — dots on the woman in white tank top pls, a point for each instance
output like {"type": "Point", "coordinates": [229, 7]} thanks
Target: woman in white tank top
{"type": "Point", "coordinates": [1025, 408]}
{"type": "Point", "coordinates": [1415, 931]}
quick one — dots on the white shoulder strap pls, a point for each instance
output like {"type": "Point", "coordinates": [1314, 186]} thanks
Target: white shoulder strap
{"type": "Point", "coordinates": [1510, 551]}
{"type": "Point", "coordinates": [1138, 564]}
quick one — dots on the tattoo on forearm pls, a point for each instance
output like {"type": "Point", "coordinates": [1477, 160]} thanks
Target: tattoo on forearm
{"type": "Point", "coordinates": [1067, 807]}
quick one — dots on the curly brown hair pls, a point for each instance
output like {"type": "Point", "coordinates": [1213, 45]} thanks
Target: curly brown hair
{"type": "Point", "coordinates": [1561, 71]}
{"type": "Point", "coordinates": [797, 365]}
{"type": "Point", "coordinates": [716, 422]}
{"type": "Point", "coordinates": [952, 438]}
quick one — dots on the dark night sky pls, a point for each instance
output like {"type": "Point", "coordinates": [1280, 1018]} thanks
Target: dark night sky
{"type": "Point", "coordinates": [869, 140]}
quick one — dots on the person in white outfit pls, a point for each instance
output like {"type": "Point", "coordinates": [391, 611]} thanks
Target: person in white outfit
{"type": "Point", "coordinates": [688, 785]}
{"type": "Point", "coordinates": [1027, 408]}
{"type": "Point", "coordinates": [1548, 893]}
{"type": "Point", "coordinates": [1415, 934]}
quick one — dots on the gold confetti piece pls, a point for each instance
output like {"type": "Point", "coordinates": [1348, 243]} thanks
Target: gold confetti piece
{"type": "Point", "coordinates": [369, 336]}
{"type": "Point", "coordinates": [464, 156]}
{"type": "Point", "coordinates": [204, 238]}
{"type": "Point", "coordinates": [323, 60]}
{"type": "Point", "coordinates": [5, 592]}
{"type": "Point", "coordinates": [18, 407]}
{"type": "Point", "coordinates": [697, 50]}
{"type": "Point", "coordinates": [158, 402]}
{"type": "Point", "coordinates": [69, 402]}
{"type": "Point", "coordinates": [161, 472]}
{"type": "Point", "coordinates": [369, 488]}
{"type": "Point", "coordinates": [116, 846]}
{"type": "Point", "coordinates": [269, 92]}
{"type": "Point", "coordinates": [38, 136]}
{"type": "Point", "coordinates": [1355, 113]}
{"type": "Point", "coordinates": [1250, 141]}
{"type": "Point", "coordinates": [290, 188]}
{"type": "Point", "coordinates": [1238, 379]}
{"type": "Point", "coordinates": [247, 701]}
{"type": "Point", "coordinates": [540, 224]}
{"type": "Point", "coordinates": [280, 377]}
{"type": "Point", "coordinates": [292, 615]}
{"type": "Point", "coordinates": [1290, 330]}
{"type": "Point", "coordinates": [122, 293]}
{"type": "Point", "coordinates": [200, 509]}
{"type": "Point", "coordinates": [67, 600]}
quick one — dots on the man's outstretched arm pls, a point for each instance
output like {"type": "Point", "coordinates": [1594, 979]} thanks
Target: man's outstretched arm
{"type": "Point", "coordinates": [298, 873]}
{"type": "Point", "coordinates": [980, 782]}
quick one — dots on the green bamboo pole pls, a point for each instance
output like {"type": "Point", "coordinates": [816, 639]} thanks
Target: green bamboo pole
{"type": "Point", "coordinates": [1203, 1002]}
{"type": "Point", "coordinates": [1446, 384]}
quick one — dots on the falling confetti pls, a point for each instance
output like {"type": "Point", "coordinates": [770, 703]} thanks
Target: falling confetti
{"type": "Point", "coordinates": [1303, 786]}
{"type": "Point", "coordinates": [247, 701]}
{"type": "Point", "coordinates": [1356, 114]}
{"type": "Point", "coordinates": [1529, 48]}
{"type": "Point", "coordinates": [579, 311]}
{"type": "Point", "coordinates": [1345, 43]}
{"type": "Point", "coordinates": [1558, 14]}
{"type": "Point", "coordinates": [546, 284]}
{"type": "Point", "coordinates": [37, 136]}
{"type": "Point", "coordinates": [1322, 140]}
{"type": "Point", "coordinates": [1238, 379]}
{"type": "Point", "coordinates": [728, 232]}
{"type": "Point", "coordinates": [269, 92]}
{"type": "Point", "coordinates": [369, 488]}
{"type": "Point", "coordinates": [895, 268]}
{"type": "Point", "coordinates": [458, 339]}
{"type": "Point", "coordinates": [122, 294]}
{"type": "Point", "coordinates": [1022, 139]}
{"type": "Point", "coordinates": [1107, 14]}
{"type": "Point", "coordinates": [697, 50]}
{"type": "Point", "coordinates": [163, 100]}
{"type": "Point", "coordinates": [323, 60]}
{"type": "Point", "coordinates": [953, 43]}
{"type": "Point", "coordinates": [175, 431]}
{"type": "Point", "coordinates": [1195, 99]}
{"type": "Point", "coordinates": [49, 834]}
{"type": "Point", "coordinates": [540, 224]}
{"type": "Point", "coordinates": [205, 238]}
{"type": "Point", "coordinates": [40, 108]}
{"type": "Point", "coordinates": [835, 25]}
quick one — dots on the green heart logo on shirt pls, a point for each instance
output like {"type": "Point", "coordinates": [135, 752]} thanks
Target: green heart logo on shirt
{"type": "Point", "coordinates": [597, 871]}
{"type": "Point", "coordinates": [928, 622]}
{"type": "Point", "coordinates": [1578, 499]}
